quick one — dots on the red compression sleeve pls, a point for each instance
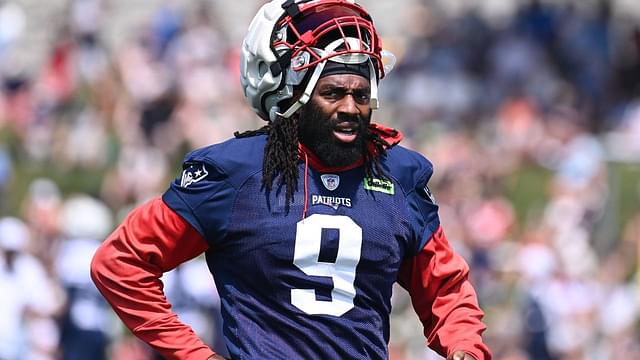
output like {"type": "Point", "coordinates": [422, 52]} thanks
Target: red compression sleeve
{"type": "Point", "coordinates": [443, 298]}
{"type": "Point", "coordinates": [127, 268]}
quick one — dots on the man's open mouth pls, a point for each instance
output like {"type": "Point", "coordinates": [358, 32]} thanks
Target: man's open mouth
{"type": "Point", "coordinates": [347, 131]}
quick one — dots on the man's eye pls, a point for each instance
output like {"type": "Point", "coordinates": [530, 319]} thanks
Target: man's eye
{"type": "Point", "coordinates": [333, 94]}
{"type": "Point", "coordinates": [362, 97]}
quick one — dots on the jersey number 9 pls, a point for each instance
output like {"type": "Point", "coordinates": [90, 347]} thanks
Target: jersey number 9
{"type": "Point", "coordinates": [342, 271]}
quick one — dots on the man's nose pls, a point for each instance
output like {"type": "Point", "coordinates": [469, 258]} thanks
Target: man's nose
{"type": "Point", "coordinates": [348, 105]}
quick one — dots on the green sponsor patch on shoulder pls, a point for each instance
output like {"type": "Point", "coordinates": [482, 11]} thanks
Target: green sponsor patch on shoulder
{"type": "Point", "coordinates": [383, 186]}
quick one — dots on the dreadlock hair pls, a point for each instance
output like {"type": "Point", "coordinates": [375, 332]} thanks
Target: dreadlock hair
{"type": "Point", "coordinates": [373, 167]}
{"type": "Point", "coordinates": [281, 154]}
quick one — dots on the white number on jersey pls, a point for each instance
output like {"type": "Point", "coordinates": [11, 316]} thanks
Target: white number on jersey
{"type": "Point", "coordinates": [342, 272]}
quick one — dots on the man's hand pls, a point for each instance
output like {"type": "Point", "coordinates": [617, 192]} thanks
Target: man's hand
{"type": "Point", "coordinates": [217, 357]}
{"type": "Point", "coordinates": [461, 355]}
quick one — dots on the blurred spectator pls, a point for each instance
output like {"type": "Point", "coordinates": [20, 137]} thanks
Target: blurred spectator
{"type": "Point", "coordinates": [6, 172]}
{"type": "Point", "coordinates": [41, 209]}
{"type": "Point", "coordinates": [195, 299]}
{"type": "Point", "coordinates": [85, 326]}
{"type": "Point", "coordinates": [623, 141]}
{"type": "Point", "coordinates": [12, 24]}
{"type": "Point", "coordinates": [30, 298]}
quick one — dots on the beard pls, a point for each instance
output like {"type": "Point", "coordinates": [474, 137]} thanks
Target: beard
{"type": "Point", "coordinates": [315, 131]}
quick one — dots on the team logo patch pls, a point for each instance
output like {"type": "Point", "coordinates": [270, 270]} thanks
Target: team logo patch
{"type": "Point", "coordinates": [192, 174]}
{"type": "Point", "coordinates": [330, 181]}
{"type": "Point", "coordinates": [334, 202]}
{"type": "Point", "coordinates": [379, 185]}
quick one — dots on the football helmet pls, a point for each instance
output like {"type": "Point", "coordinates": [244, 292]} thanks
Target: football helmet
{"type": "Point", "coordinates": [289, 43]}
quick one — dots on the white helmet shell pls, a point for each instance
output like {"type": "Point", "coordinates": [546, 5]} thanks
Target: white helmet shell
{"type": "Point", "coordinates": [256, 58]}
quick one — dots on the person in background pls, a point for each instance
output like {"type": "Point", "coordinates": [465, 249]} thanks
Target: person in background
{"type": "Point", "coordinates": [84, 324]}
{"type": "Point", "coordinates": [30, 298]}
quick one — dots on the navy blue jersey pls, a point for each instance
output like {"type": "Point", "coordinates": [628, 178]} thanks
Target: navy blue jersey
{"type": "Point", "coordinates": [313, 287]}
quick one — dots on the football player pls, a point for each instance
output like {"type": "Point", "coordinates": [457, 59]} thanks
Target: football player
{"type": "Point", "coordinates": [307, 222]}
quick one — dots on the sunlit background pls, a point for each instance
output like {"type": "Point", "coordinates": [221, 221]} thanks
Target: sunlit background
{"type": "Point", "coordinates": [529, 110]}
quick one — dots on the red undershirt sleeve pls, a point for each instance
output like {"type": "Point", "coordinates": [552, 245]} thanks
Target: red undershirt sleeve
{"type": "Point", "coordinates": [127, 268]}
{"type": "Point", "coordinates": [444, 299]}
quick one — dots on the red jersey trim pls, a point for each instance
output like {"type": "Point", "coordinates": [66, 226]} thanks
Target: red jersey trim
{"type": "Point", "coordinates": [127, 268]}
{"type": "Point", "coordinates": [446, 303]}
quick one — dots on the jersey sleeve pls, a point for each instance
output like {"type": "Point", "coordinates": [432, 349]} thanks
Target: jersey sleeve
{"type": "Point", "coordinates": [444, 299]}
{"type": "Point", "coordinates": [203, 196]}
{"type": "Point", "coordinates": [127, 267]}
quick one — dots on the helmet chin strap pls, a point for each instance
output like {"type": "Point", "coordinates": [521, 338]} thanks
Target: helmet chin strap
{"type": "Point", "coordinates": [374, 102]}
{"type": "Point", "coordinates": [308, 90]}
{"type": "Point", "coordinates": [313, 81]}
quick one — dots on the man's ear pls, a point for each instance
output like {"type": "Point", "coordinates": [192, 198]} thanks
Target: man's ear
{"type": "Point", "coordinates": [286, 103]}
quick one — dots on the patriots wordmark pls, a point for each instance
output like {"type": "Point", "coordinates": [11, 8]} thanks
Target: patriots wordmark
{"type": "Point", "coordinates": [192, 174]}
{"type": "Point", "coordinates": [332, 201]}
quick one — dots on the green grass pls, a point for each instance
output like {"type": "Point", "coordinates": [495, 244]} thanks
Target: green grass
{"type": "Point", "coordinates": [69, 181]}
{"type": "Point", "coordinates": [625, 191]}
{"type": "Point", "coordinates": [527, 190]}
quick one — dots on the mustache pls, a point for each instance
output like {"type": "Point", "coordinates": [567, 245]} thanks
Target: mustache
{"type": "Point", "coordinates": [340, 118]}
